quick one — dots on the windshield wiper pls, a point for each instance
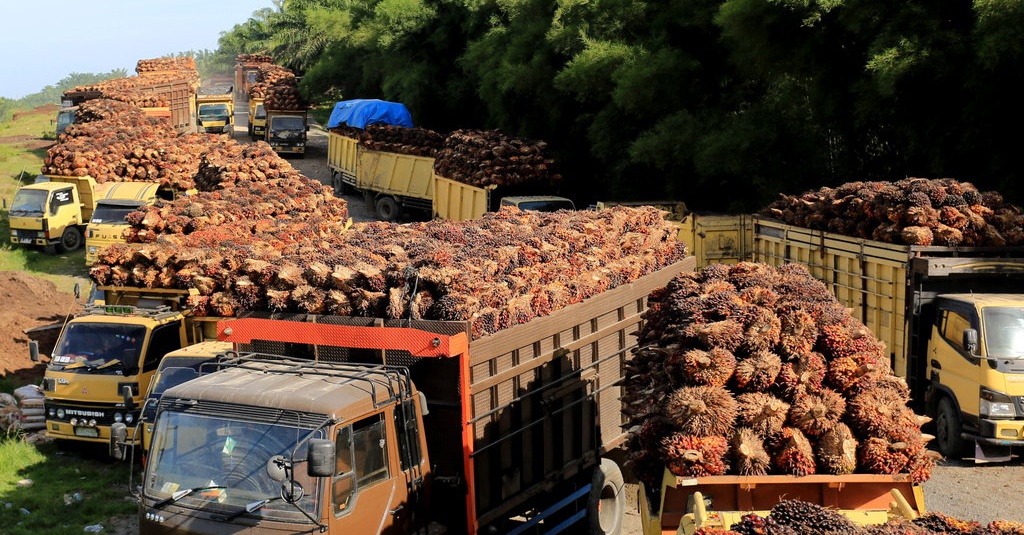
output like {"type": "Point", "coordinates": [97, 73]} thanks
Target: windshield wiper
{"type": "Point", "coordinates": [177, 495]}
{"type": "Point", "coordinates": [251, 507]}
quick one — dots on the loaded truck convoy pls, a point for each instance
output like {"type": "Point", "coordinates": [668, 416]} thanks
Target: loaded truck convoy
{"type": "Point", "coordinates": [394, 182]}
{"type": "Point", "coordinates": [389, 426]}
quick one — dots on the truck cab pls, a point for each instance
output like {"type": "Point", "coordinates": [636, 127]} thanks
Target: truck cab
{"type": "Point", "coordinates": [109, 218]}
{"type": "Point", "coordinates": [976, 371]}
{"type": "Point", "coordinates": [53, 212]}
{"type": "Point", "coordinates": [257, 119]}
{"type": "Point", "coordinates": [540, 203]}
{"type": "Point", "coordinates": [65, 118]}
{"type": "Point", "coordinates": [286, 131]}
{"type": "Point", "coordinates": [215, 109]}
{"type": "Point", "coordinates": [115, 345]}
{"type": "Point", "coordinates": [275, 444]}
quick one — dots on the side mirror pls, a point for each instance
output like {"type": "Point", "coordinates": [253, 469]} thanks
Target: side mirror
{"type": "Point", "coordinates": [33, 350]}
{"type": "Point", "coordinates": [118, 436]}
{"type": "Point", "coordinates": [126, 393]}
{"type": "Point", "coordinates": [78, 291]}
{"type": "Point", "coordinates": [971, 341]}
{"type": "Point", "coordinates": [320, 457]}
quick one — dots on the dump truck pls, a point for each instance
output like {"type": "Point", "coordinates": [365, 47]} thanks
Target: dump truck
{"type": "Point", "coordinates": [109, 217]}
{"type": "Point", "coordinates": [53, 211]}
{"type": "Point", "coordinates": [257, 119]}
{"type": "Point", "coordinates": [180, 96]}
{"type": "Point", "coordinates": [286, 131]}
{"type": "Point", "coordinates": [105, 358]}
{"type": "Point", "coordinates": [952, 319]}
{"type": "Point", "coordinates": [215, 109]}
{"type": "Point", "coordinates": [389, 426]}
{"type": "Point", "coordinates": [683, 505]}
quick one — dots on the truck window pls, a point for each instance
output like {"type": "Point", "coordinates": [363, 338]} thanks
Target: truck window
{"type": "Point", "coordinates": [361, 460]}
{"type": "Point", "coordinates": [112, 213]}
{"type": "Point", "coordinates": [409, 440]}
{"type": "Point", "coordinates": [28, 201]}
{"type": "Point", "coordinates": [952, 328]}
{"type": "Point", "coordinates": [164, 340]}
{"type": "Point", "coordinates": [1004, 331]}
{"type": "Point", "coordinates": [60, 198]}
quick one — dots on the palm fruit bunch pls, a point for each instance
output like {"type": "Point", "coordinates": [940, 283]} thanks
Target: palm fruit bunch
{"type": "Point", "coordinates": [913, 211]}
{"type": "Point", "coordinates": [767, 362]}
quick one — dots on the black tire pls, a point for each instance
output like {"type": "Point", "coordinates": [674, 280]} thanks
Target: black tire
{"type": "Point", "coordinates": [340, 187]}
{"type": "Point", "coordinates": [388, 209]}
{"type": "Point", "coordinates": [606, 507]}
{"type": "Point", "coordinates": [70, 240]}
{"type": "Point", "coordinates": [948, 427]}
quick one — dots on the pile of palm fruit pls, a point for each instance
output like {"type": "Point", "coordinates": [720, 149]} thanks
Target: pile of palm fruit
{"type": "Point", "coordinates": [279, 88]}
{"type": "Point", "coordinates": [503, 269]}
{"type": "Point", "coordinates": [491, 158]}
{"type": "Point", "coordinates": [415, 141]}
{"type": "Point", "coordinates": [750, 369]}
{"type": "Point", "coordinates": [796, 517]}
{"type": "Point", "coordinates": [913, 211]}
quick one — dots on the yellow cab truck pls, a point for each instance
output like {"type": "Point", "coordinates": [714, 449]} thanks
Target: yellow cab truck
{"type": "Point", "coordinates": [114, 346]}
{"type": "Point", "coordinates": [215, 109]}
{"type": "Point", "coordinates": [337, 424]}
{"type": "Point", "coordinates": [951, 317]}
{"type": "Point", "coordinates": [108, 221]}
{"type": "Point", "coordinates": [53, 211]}
{"type": "Point", "coordinates": [286, 131]}
{"type": "Point", "coordinates": [257, 119]}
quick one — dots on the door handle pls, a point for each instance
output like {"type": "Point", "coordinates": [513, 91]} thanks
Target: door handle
{"type": "Point", "coordinates": [396, 510]}
{"type": "Point", "coordinates": [936, 364]}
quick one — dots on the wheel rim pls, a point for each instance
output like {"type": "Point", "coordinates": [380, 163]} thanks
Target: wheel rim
{"type": "Point", "coordinates": [607, 508]}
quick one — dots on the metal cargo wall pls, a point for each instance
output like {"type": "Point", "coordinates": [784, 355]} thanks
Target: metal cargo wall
{"type": "Point", "coordinates": [342, 154]}
{"type": "Point", "coordinates": [717, 239]}
{"type": "Point", "coordinates": [546, 395]}
{"type": "Point", "coordinates": [868, 276]}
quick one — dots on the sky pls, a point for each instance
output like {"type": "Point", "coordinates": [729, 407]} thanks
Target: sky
{"type": "Point", "coordinates": [43, 41]}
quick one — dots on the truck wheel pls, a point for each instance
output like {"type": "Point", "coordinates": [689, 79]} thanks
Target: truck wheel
{"type": "Point", "coordinates": [340, 187]}
{"type": "Point", "coordinates": [607, 504]}
{"type": "Point", "coordinates": [388, 209]}
{"type": "Point", "coordinates": [947, 430]}
{"type": "Point", "coordinates": [70, 240]}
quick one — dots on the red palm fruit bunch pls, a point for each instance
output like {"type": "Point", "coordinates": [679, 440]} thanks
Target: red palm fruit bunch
{"type": "Point", "coordinates": [794, 453]}
{"type": "Point", "coordinates": [798, 333]}
{"type": "Point", "coordinates": [1005, 527]}
{"type": "Point", "coordinates": [837, 450]}
{"type": "Point", "coordinates": [702, 410]}
{"type": "Point", "coordinates": [754, 524]}
{"type": "Point", "coordinates": [697, 366]}
{"type": "Point", "coordinates": [880, 456]}
{"type": "Point", "coordinates": [943, 523]}
{"type": "Point", "coordinates": [817, 413]}
{"type": "Point", "coordinates": [749, 457]}
{"type": "Point", "coordinates": [753, 274]}
{"type": "Point", "coordinates": [761, 329]}
{"type": "Point", "coordinates": [761, 412]}
{"type": "Point", "coordinates": [725, 334]}
{"type": "Point", "coordinates": [692, 456]}
{"type": "Point", "coordinates": [707, 530]}
{"type": "Point", "coordinates": [882, 412]}
{"type": "Point", "coordinates": [804, 373]}
{"type": "Point", "coordinates": [757, 372]}
{"type": "Point", "coordinates": [847, 373]}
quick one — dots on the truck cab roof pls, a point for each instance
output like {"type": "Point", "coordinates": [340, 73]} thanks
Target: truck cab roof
{"type": "Point", "coordinates": [339, 391]}
{"type": "Point", "coordinates": [987, 299]}
{"type": "Point", "coordinates": [540, 203]}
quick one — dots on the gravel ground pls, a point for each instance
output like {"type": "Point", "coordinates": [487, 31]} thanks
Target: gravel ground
{"type": "Point", "coordinates": [982, 493]}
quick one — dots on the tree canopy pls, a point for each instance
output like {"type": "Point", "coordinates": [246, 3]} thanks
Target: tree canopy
{"type": "Point", "coordinates": [723, 104]}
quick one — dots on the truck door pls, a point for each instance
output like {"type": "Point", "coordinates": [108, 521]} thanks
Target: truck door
{"type": "Point", "coordinates": [59, 209]}
{"type": "Point", "coordinates": [956, 369]}
{"type": "Point", "coordinates": [367, 493]}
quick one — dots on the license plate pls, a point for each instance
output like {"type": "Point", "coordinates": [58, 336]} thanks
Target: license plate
{"type": "Point", "coordinates": [90, 432]}
{"type": "Point", "coordinates": [24, 240]}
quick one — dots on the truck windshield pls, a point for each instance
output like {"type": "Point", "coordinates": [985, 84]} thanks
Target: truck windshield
{"type": "Point", "coordinates": [287, 127]}
{"type": "Point", "coordinates": [64, 118]}
{"type": "Point", "coordinates": [98, 347]}
{"type": "Point", "coordinates": [213, 111]}
{"type": "Point", "coordinates": [547, 205]}
{"type": "Point", "coordinates": [1004, 331]}
{"type": "Point", "coordinates": [111, 213]}
{"type": "Point", "coordinates": [193, 450]}
{"type": "Point", "coordinates": [28, 202]}
{"type": "Point", "coordinates": [261, 112]}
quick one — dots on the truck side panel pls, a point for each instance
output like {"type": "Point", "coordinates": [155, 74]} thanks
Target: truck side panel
{"type": "Point", "coordinates": [397, 174]}
{"type": "Point", "coordinates": [343, 156]}
{"type": "Point", "coordinates": [717, 239]}
{"type": "Point", "coordinates": [457, 201]}
{"type": "Point", "coordinates": [867, 276]}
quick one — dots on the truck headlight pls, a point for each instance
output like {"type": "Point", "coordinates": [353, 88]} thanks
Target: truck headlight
{"type": "Point", "coordinates": [129, 418]}
{"type": "Point", "coordinates": [995, 404]}
{"type": "Point", "coordinates": [118, 417]}
{"type": "Point", "coordinates": [60, 413]}
{"type": "Point", "coordinates": [93, 249]}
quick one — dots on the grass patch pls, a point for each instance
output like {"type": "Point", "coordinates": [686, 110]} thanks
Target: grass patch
{"type": "Point", "coordinates": [321, 114]}
{"type": "Point", "coordinates": [57, 475]}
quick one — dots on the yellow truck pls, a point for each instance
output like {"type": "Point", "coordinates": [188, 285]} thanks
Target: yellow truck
{"type": "Point", "coordinates": [257, 119]}
{"type": "Point", "coordinates": [952, 318]}
{"type": "Point", "coordinates": [215, 109]}
{"type": "Point", "coordinates": [457, 201]}
{"type": "Point", "coordinates": [286, 131]}
{"type": "Point", "coordinates": [53, 211]}
{"type": "Point", "coordinates": [108, 221]}
{"type": "Point", "coordinates": [105, 358]}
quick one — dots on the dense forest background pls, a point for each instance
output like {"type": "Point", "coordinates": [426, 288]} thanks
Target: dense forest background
{"type": "Point", "coordinates": [723, 104]}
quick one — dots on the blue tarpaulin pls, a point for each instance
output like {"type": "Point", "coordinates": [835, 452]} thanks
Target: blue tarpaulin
{"type": "Point", "coordinates": [361, 112]}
